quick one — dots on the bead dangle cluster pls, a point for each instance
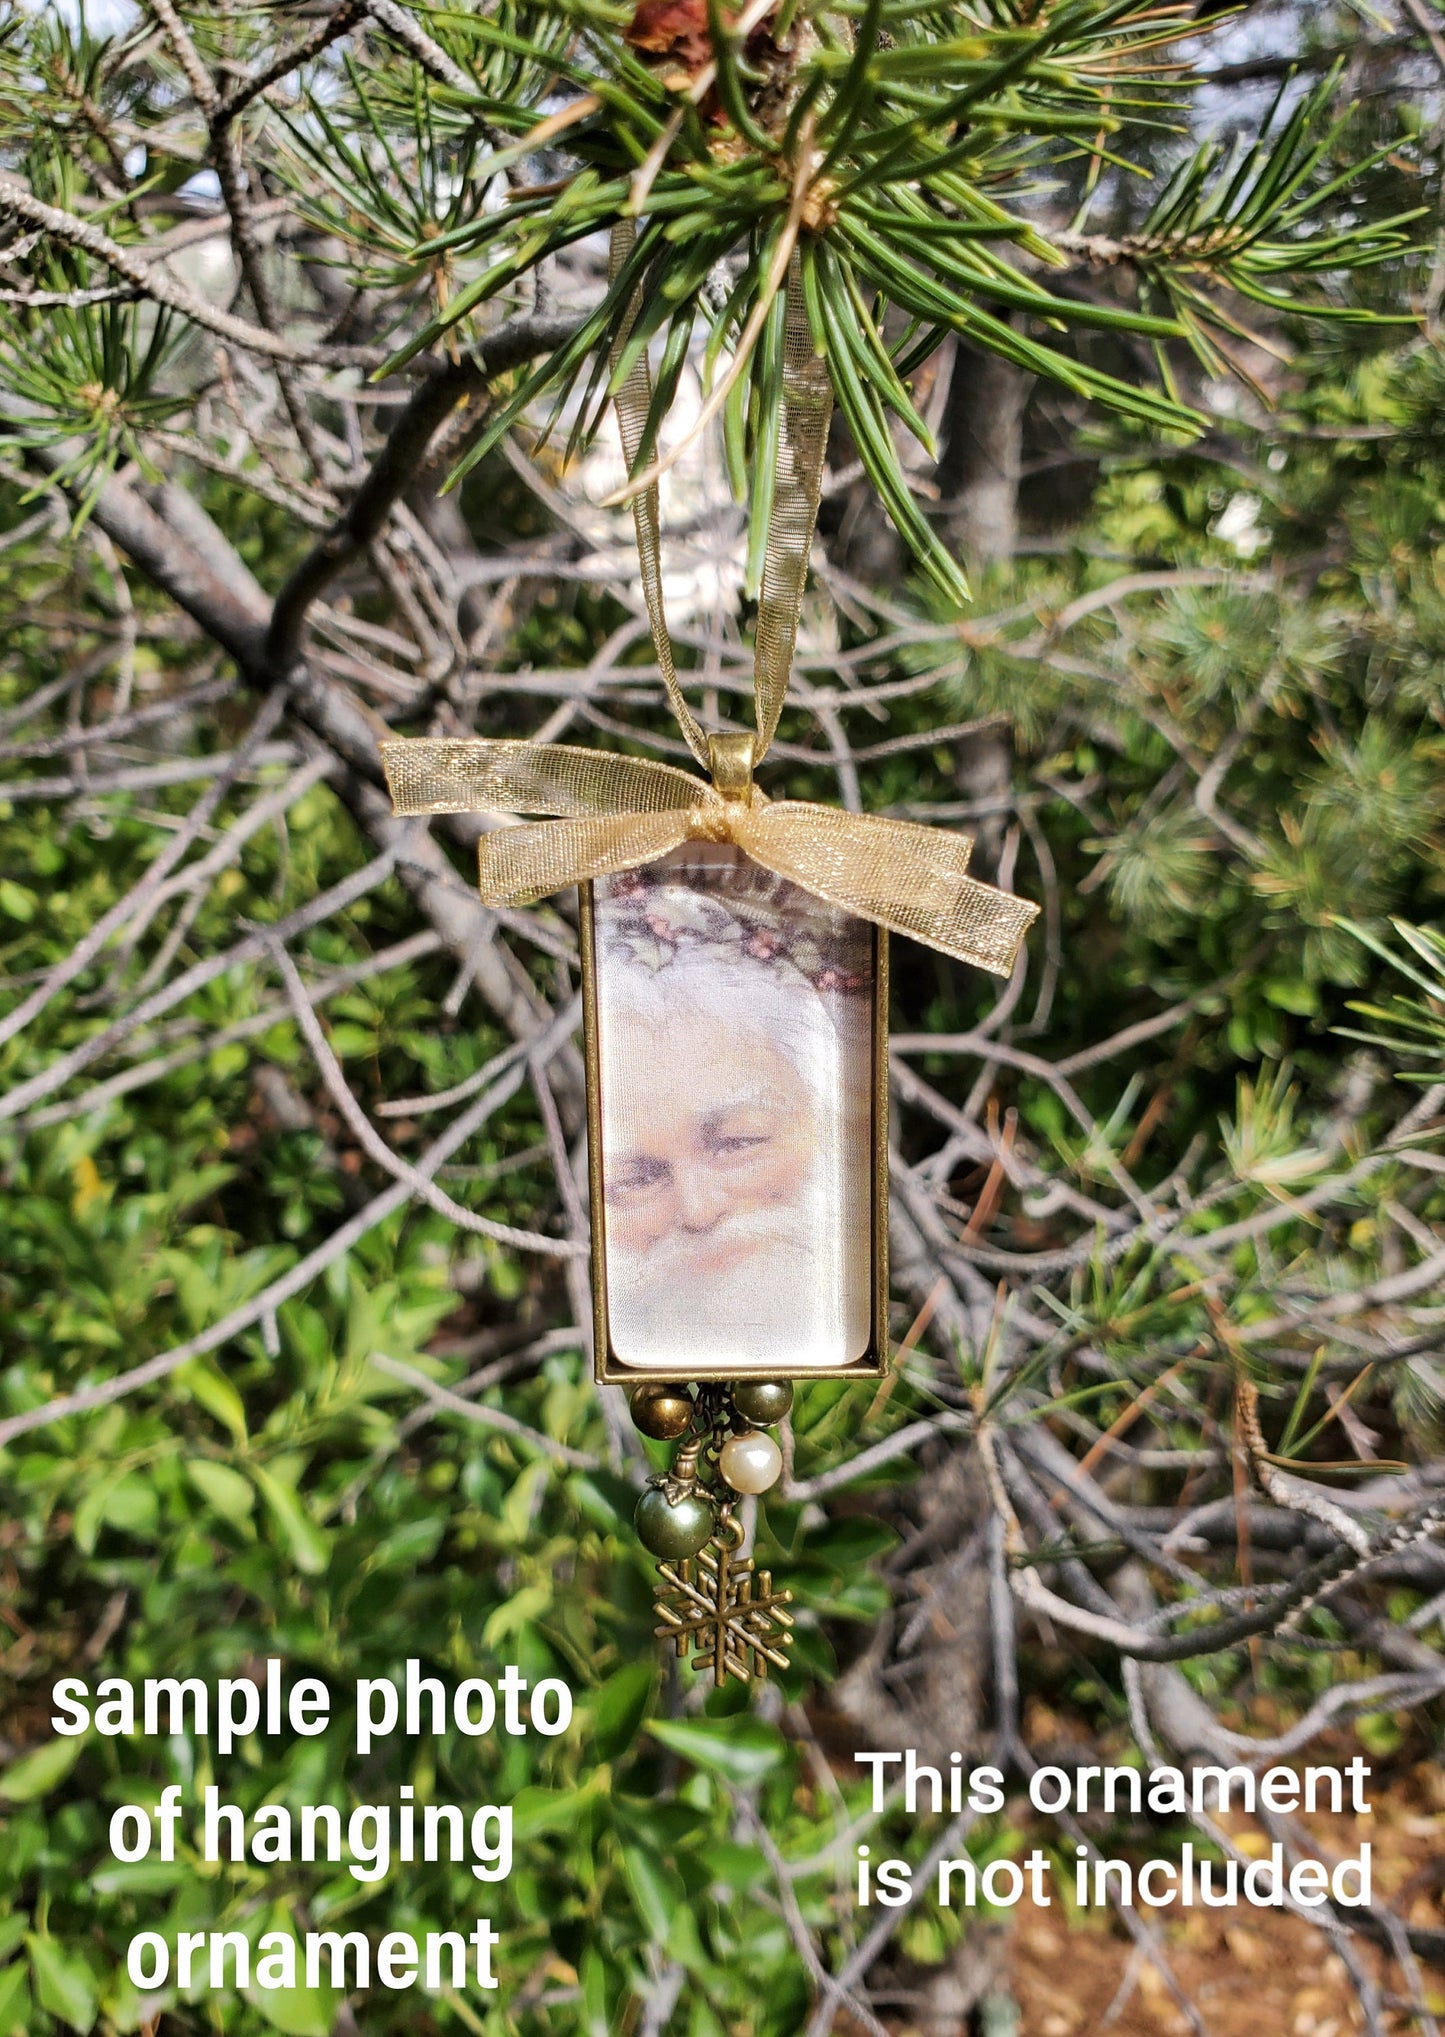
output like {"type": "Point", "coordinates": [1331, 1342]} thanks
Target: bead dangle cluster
{"type": "Point", "coordinates": [734, 1619]}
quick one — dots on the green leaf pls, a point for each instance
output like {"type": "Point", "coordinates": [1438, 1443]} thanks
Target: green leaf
{"type": "Point", "coordinates": [1382, 1733]}
{"type": "Point", "coordinates": [349, 1041]}
{"type": "Point", "coordinates": [619, 1709]}
{"type": "Point", "coordinates": [737, 1866]}
{"type": "Point", "coordinates": [861, 1598]}
{"type": "Point", "coordinates": [1293, 995]}
{"type": "Point", "coordinates": [140, 1877]}
{"type": "Point", "coordinates": [206, 1383]}
{"type": "Point", "coordinates": [310, 1547]}
{"type": "Point", "coordinates": [408, 1546]}
{"type": "Point", "coordinates": [86, 1522]}
{"type": "Point", "coordinates": [526, 1605]}
{"type": "Point", "coordinates": [596, 1985]}
{"type": "Point", "coordinates": [655, 1891]}
{"type": "Point", "coordinates": [543, 1810]}
{"type": "Point", "coordinates": [741, 1750]}
{"type": "Point", "coordinates": [225, 1491]}
{"type": "Point", "coordinates": [16, 900]}
{"type": "Point", "coordinates": [133, 1506]}
{"type": "Point", "coordinates": [845, 1545]}
{"type": "Point", "coordinates": [604, 1500]}
{"type": "Point", "coordinates": [65, 1987]}
{"type": "Point", "coordinates": [15, 2005]}
{"type": "Point", "coordinates": [35, 1774]}
{"type": "Point", "coordinates": [297, 2011]}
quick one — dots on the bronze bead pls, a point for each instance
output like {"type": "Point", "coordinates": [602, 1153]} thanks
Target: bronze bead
{"type": "Point", "coordinates": [662, 1412]}
{"type": "Point", "coordinates": [764, 1401]}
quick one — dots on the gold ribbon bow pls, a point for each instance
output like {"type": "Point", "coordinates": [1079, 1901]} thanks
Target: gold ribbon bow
{"type": "Point", "coordinates": [611, 813]}
{"type": "Point", "coordinates": [616, 813]}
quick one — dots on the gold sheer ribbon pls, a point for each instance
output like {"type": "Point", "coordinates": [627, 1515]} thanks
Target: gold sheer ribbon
{"type": "Point", "coordinates": [802, 447]}
{"type": "Point", "coordinates": [608, 813]}
{"type": "Point", "coordinates": [616, 813]}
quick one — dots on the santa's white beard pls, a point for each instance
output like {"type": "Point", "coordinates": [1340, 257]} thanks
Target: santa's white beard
{"type": "Point", "coordinates": [793, 1291]}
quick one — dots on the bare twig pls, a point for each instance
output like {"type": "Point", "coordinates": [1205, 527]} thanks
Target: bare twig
{"type": "Point", "coordinates": [151, 280]}
{"type": "Point", "coordinates": [375, 1146]}
{"type": "Point", "coordinates": [442, 1398]}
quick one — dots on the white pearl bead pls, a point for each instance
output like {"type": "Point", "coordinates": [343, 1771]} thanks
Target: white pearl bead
{"type": "Point", "coordinates": [750, 1463]}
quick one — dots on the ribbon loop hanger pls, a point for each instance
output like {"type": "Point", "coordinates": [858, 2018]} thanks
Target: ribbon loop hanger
{"type": "Point", "coordinates": [807, 409]}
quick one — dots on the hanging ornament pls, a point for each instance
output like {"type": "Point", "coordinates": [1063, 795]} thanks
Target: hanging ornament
{"type": "Point", "coordinates": [735, 1008]}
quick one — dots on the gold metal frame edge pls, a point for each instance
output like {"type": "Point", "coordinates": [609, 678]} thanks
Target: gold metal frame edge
{"type": "Point", "coordinates": [610, 1370]}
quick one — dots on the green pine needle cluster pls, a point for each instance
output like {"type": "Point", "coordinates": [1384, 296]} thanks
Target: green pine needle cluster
{"type": "Point", "coordinates": [914, 173]}
{"type": "Point", "coordinates": [912, 168]}
{"type": "Point", "coordinates": [1416, 1025]}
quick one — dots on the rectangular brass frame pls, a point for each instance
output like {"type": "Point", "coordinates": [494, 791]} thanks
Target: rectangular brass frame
{"type": "Point", "coordinates": [608, 1369]}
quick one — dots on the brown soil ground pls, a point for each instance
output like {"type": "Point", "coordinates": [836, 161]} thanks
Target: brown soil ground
{"type": "Point", "coordinates": [1249, 1972]}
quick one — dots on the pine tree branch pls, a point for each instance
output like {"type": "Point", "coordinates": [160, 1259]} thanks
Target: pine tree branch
{"type": "Point", "coordinates": [214, 598]}
{"type": "Point", "coordinates": [70, 300]}
{"type": "Point", "coordinates": [172, 540]}
{"type": "Point", "coordinates": [148, 278]}
{"type": "Point", "coordinates": [203, 89]}
{"type": "Point", "coordinates": [395, 467]}
{"type": "Point", "coordinates": [235, 190]}
{"type": "Point", "coordinates": [54, 1075]}
{"type": "Point", "coordinates": [1429, 26]}
{"type": "Point", "coordinates": [413, 37]}
{"type": "Point", "coordinates": [287, 60]}
{"type": "Point", "coordinates": [444, 1401]}
{"type": "Point", "coordinates": [1290, 63]}
{"type": "Point", "coordinates": [294, 1282]}
{"type": "Point", "coordinates": [371, 1141]}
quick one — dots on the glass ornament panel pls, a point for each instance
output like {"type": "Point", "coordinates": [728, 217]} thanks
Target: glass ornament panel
{"type": "Point", "coordinates": [734, 1045]}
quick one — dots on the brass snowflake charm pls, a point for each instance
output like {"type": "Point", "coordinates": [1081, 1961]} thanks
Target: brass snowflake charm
{"type": "Point", "coordinates": [717, 1604]}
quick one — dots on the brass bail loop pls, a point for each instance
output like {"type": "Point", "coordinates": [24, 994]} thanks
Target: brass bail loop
{"type": "Point", "coordinates": [730, 759]}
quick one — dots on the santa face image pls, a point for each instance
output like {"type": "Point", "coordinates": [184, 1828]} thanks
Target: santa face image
{"type": "Point", "coordinates": [734, 1022]}
{"type": "Point", "coordinates": [730, 1136]}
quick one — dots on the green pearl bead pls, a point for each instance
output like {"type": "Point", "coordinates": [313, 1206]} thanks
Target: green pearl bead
{"type": "Point", "coordinates": [669, 1530]}
{"type": "Point", "coordinates": [764, 1401]}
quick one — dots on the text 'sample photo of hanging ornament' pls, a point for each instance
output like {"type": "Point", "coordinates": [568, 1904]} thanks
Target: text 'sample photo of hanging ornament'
{"type": "Point", "coordinates": [735, 1005]}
